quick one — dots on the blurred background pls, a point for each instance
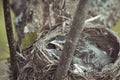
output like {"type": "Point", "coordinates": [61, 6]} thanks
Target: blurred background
{"type": "Point", "coordinates": [4, 54]}
{"type": "Point", "coordinates": [3, 39]}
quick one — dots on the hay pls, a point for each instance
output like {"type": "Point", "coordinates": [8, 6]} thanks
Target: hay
{"type": "Point", "coordinates": [40, 61]}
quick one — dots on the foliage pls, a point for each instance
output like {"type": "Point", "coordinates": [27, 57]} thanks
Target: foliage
{"type": "Point", "coordinates": [28, 40]}
{"type": "Point", "coordinates": [116, 28]}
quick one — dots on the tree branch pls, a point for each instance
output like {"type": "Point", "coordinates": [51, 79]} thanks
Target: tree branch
{"type": "Point", "coordinates": [10, 38]}
{"type": "Point", "coordinates": [72, 39]}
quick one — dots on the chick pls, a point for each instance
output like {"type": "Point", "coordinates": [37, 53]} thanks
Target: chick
{"type": "Point", "coordinates": [99, 57]}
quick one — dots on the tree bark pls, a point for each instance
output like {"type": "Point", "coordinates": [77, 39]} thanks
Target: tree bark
{"type": "Point", "coordinates": [10, 39]}
{"type": "Point", "coordinates": [72, 39]}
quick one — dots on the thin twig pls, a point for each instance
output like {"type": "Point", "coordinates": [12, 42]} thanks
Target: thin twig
{"type": "Point", "coordinates": [10, 39]}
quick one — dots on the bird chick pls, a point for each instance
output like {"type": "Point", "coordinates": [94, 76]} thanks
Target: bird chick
{"type": "Point", "coordinates": [99, 58]}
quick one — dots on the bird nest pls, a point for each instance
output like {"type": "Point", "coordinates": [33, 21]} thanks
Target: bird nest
{"type": "Point", "coordinates": [96, 56]}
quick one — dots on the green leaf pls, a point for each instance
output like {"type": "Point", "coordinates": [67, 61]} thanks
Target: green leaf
{"type": "Point", "coordinates": [116, 28]}
{"type": "Point", "coordinates": [28, 40]}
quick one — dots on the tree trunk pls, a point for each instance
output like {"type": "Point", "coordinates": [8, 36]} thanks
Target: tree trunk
{"type": "Point", "coordinates": [72, 39]}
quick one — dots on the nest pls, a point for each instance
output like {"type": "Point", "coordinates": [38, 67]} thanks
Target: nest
{"type": "Point", "coordinates": [40, 61]}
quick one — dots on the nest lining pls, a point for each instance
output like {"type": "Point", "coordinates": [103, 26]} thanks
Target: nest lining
{"type": "Point", "coordinates": [40, 62]}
